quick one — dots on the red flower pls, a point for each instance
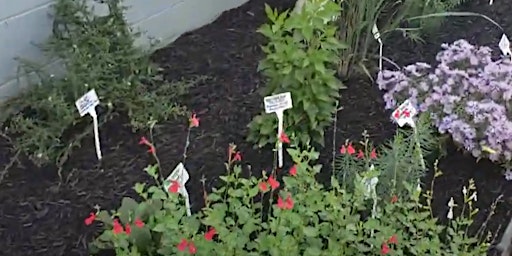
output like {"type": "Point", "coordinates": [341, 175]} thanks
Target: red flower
{"type": "Point", "coordinates": [263, 186]}
{"type": "Point", "coordinates": [238, 156]}
{"type": "Point", "coordinates": [373, 154]}
{"type": "Point", "coordinates": [274, 184]}
{"type": "Point", "coordinates": [192, 248]}
{"type": "Point", "coordinates": [139, 223]}
{"type": "Point", "coordinates": [144, 141]}
{"type": "Point", "coordinates": [210, 234]}
{"type": "Point", "coordinates": [293, 170]}
{"type": "Point", "coordinates": [182, 245]}
{"type": "Point", "coordinates": [127, 229]}
{"type": "Point", "coordinates": [393, 240]}
{"type": "Point", "coordinates": [175, 186]}
{"type": "Point", "coordinates": [284, 138]}
{"type": "Point", "coordinates": [350, 149]}
{"type": "Point", "coordinates": [194, 121]}
{"type": "Point", "coordinates": [89, 220]}
{"type": "Point", "coordinates": [394, 199]}
{"type": "Point", "coordinates": [384, 249]}
{"type": "Point", "coordinates": [286, 204]}
{"type": "Point", "coordinates": [343, 150]}
{"type": "Point", "coordinates": [118, 228]}
{"type": "Point", "coordinates": [360, 154]}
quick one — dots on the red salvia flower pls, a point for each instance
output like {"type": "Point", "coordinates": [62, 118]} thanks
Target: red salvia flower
{"type": "Point", "coordinates": [238, 156]}
{"type": "Point", "coordinates": [139, 223]}
{"type": "Point", "coordinates": [293, 170]}
{"type": "Point", "coordinates": [284, 138]}
{"type": "Point", "coordinates": [89, 220]}
{"type": "Point", "coordinates": [393, 240]}
{"type": "Point", "coordinates": [350, 149]}
{"type": "Point", "coordinates": [193, 121]}
{"type": "Point", "coordinates": [286, 204]}
{"type": "Point", "coordinates": [127, 229]}
{"type": "Point", "coordinates": [373, 154]}
{"type": "Point", "coordinates": [144, 141]}
{"type": "Point", "coordinates": [118, 228]}
{"type": "Point", "coordinates": [394, 199]}
{"type": "Point", "coordinates": [343, 150]}
{"type": "Point", "coordinates": [384, 249]}
{"type": "Point", "coordinates": [263, 186]}
{"type": "Point", "coordinates": [175, 186]}
{"type": "Point", "coordinates": [182, 245]}
{"type": "Point", "coordinates": [360, 154]}
{"type": "Point", "coordinates": [274, 184]}
{"type": "Point", "coordinates": [210, 234]}
{"type": "Point", "coordinates": [192, 248]}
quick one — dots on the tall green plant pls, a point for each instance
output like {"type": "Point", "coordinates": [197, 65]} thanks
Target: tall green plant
{"type": "Point", "coordinates": [96, 53]}
{"type": "Point", "coordinates": [301, 56]}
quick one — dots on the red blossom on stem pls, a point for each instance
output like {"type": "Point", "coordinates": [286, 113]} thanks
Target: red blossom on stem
{"type": "Point", "coordinates": [193, 121]}
{"type": "Point", "coordinates": [210, 234]}
{"type": "Point", "coordinates": [117, 227]}
{"type": "Point", "coordinates": [393, 239]}
{"type": "Point", "coordinates": [286, 204]}
{"type": "Point", "coordinates": [138, 223]}
{"type": "Point", "coordinates": [182, 245]}
{"type": "Point", "coordinates": [89, 220]}
{"type": "Point", "coordinates": [144, 141]}
{"type": "Point", "coordinates": [192, 248]}
{"type": "Point", "coordinates": [263, 186]}
{"type": "Point", "coordinates": [238, 156]}
{"type": "Point", "coordinates": [360, 154]}
{"type": "Point", "coordinates": [127, 229]}
{"type": "Point", "coordinates": [384, 249]}
{"type": "Point", "coordinates": [373, 154]}
{"type": "Point", "coordinates": [394, 199]}
{"type": "Point", "coordinates": [274, 184]}
{"type": "Point", "coordinates": [293, 170]}
{"type": "Point", "coordinates": [284, 138]}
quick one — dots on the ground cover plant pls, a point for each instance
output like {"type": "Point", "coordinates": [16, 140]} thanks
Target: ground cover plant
{"type": "Point", "coordinates": [94, 202]}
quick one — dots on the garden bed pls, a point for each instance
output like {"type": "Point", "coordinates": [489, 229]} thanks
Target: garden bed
{"type": "Point", "coordinates": [43, 216]}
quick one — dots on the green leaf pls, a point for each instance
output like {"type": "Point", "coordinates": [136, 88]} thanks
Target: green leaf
{"type": "Point", "coordinates": [310, 231]}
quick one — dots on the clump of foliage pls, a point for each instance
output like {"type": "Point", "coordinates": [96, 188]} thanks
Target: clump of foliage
{"type": "Point", "coordinates": [398, 162]}
{"type": "Point", "coordinates": [467, 95]}
{"type": "Point", "coordinates": [301, 56]}
{"type": "Point", "coordinates": [358, 18]}
{"type": "Point", "coordinates": [96, 53]}
{"type": "Point", "coordinates": [259, 216]}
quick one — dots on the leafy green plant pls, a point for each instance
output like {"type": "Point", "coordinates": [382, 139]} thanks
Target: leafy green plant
{"type": "Point", "coordinates": [259, 216]}
{"type": "Point", "coordinates": [301, 55]}
{"type": "Point", "coordinates": [433, 6]}
{"type": "Point", "coordinates": [399, 161]}
{"type": "Point", "coordinates": [96, 53]}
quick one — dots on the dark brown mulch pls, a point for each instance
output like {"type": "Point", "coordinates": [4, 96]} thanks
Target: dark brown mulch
{"type": "Point", "coordinates": [42, 216]}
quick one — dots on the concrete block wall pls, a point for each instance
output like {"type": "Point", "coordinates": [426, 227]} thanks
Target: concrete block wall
{"type": "Point", "coordinates": [26, 23]}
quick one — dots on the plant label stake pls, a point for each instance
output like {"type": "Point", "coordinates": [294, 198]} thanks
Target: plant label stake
{"type": "Point", "coordinates": [376, 35]}
{"type": "Point", "coordinates": [505, 46]}
{"type": "Point", "coordinates": [87, 105]}
{"type": "Point", "coordinates": [403, 115]}
{"type": "Point", "coordinates": [180, 175]}
{"type": "Point", "coordinates": [491, 2]}
{"type": "Point", "coordinates": [278, 104]}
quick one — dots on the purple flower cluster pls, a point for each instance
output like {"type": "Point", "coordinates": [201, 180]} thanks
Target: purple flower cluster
{"type": "Point", "coordinates": [467, 94]}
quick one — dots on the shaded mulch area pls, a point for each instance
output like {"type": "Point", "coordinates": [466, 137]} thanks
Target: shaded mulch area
{"type": "Point", "coordinates": [42, 215]}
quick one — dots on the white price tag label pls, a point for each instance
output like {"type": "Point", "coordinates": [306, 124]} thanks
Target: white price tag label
{"type": "Point", "coordinates": [180, 175]}
{"type": "Point", "coordinates": [87, 103]}
{"type": "Point", "coordinates": [404, 114]}
{"type": "Point", "coordinates": [505, 45]}
{"type": "Point", "coordinates": [278, 102]}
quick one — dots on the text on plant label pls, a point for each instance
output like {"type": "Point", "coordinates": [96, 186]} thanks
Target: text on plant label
{"type": "Point", "coordinates": [278, 102]}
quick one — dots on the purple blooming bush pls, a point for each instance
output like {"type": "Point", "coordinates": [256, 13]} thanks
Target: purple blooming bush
{"type": "Point", "coordinates": [467, 95]}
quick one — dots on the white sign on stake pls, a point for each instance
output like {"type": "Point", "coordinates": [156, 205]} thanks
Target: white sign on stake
{"type": "Point", "coordinates": [87, 105]}
{"type": "Point", "coordinates": [491, 2]}
{"type": "Point", "coordinates": [180, 175]}
{"type": "Point", "coordinates": [278, 104]}
{"type": "Point", "coordinates": [376, 35]}
{"type": "Point", "coordinates": [505, 46]}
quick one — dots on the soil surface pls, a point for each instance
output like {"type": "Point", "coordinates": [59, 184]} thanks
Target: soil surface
{"type": "Point", "coordinates": [43, 215]}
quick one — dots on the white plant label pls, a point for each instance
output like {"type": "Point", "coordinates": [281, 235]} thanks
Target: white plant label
{"type": "Point", "coordinates": [87, 105]}
{"type": "Point", "coordinates": [505, 46]}
{"type": "Point", "coordinates": [491, 2]}
{"type": "Point", "coordinates": [278, 104]}
{"type": "Point", "coordinates": [404, 114]}
{"type": "Point", "coordinates": [180, 175]}
{"type": "Point", "coordinates": [376, 35]}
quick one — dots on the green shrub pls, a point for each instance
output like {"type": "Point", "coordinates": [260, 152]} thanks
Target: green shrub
{"type": "Point", "coordinates": [301, 57]}
{"type": "Point", "coordinates": [97, 53]}
{"type": "Point", "coordinates": [251, 216]}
